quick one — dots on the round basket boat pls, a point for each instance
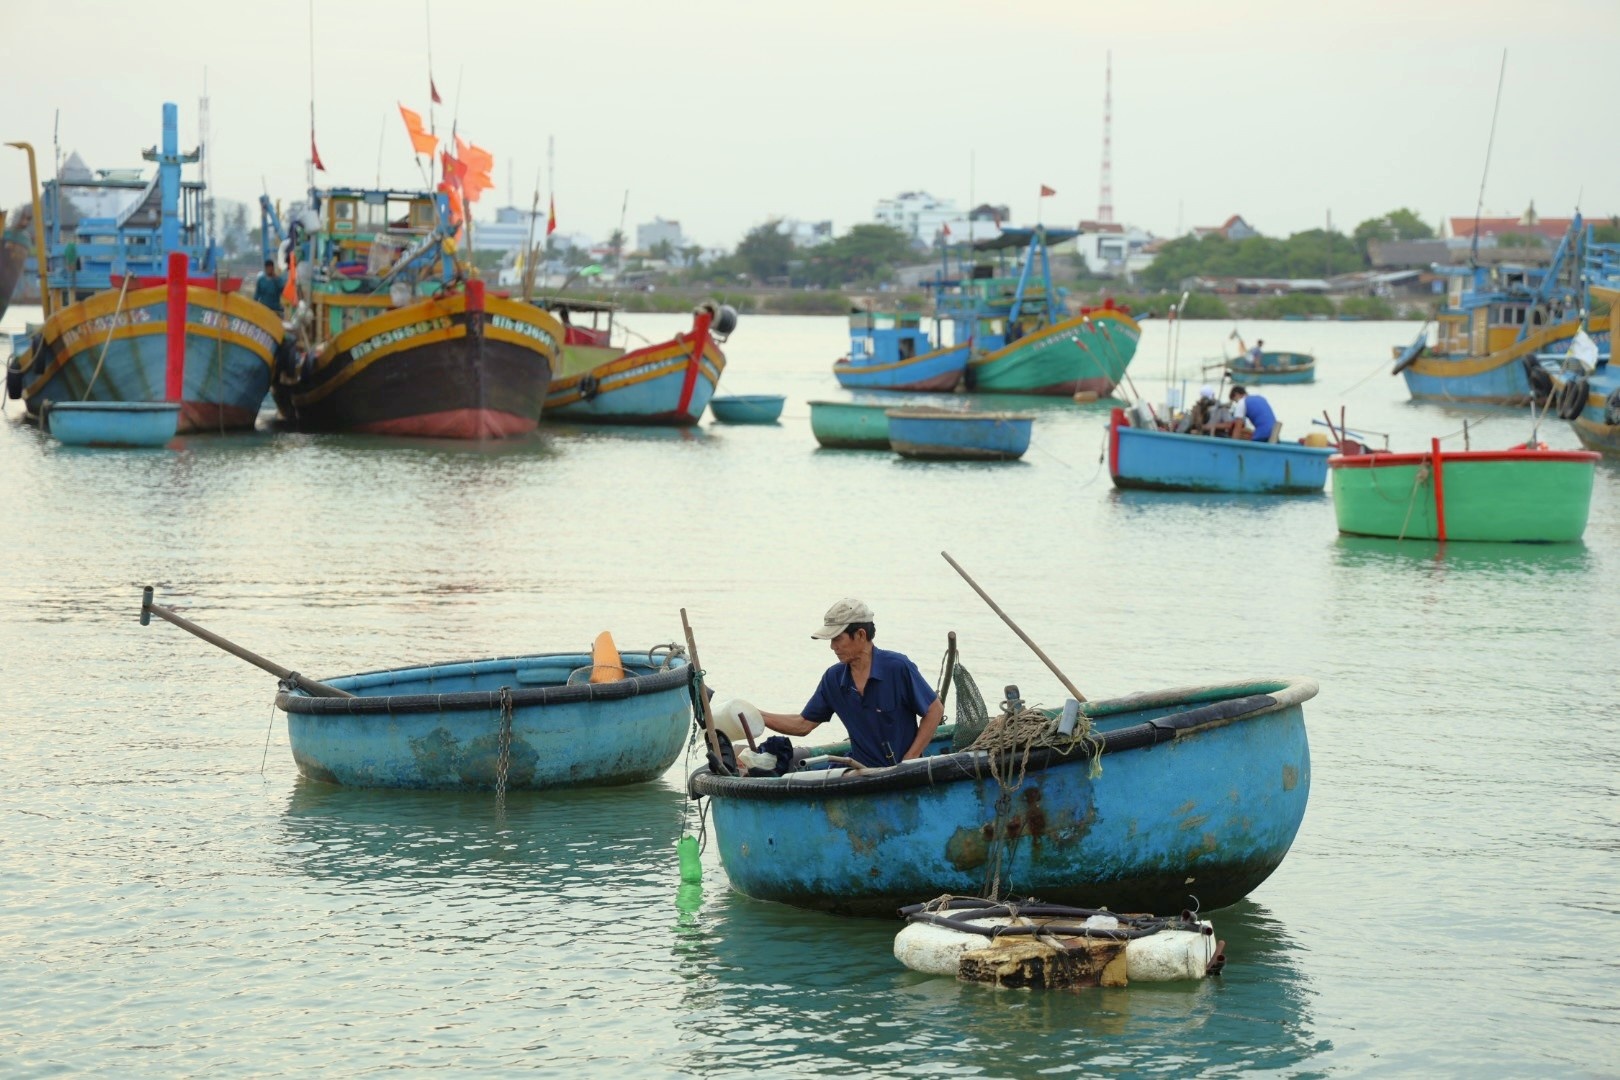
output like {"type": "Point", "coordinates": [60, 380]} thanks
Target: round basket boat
{"type": "Point", "coordinates": [747, 408]}
{"type": "Point", "coordinates": [113, 423]}
{"type": "Point", "coordinates": [539, 719]}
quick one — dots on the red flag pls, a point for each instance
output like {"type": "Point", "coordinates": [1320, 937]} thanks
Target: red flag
{"type": "Point", "coordinates": [314, 154]}
{"type": "Point", "coordinates": [551, 222]}
{"type": "Point", "coordinates": [947, 228]}
{"type": "Point", "coordinates": [454, 171]}
{"type": "Point", "coordinates": [1045, 191]}
{"type": "Point", "coordinates": [434, 90]}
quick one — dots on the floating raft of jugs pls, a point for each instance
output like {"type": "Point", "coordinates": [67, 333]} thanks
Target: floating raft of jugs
{"type": "Point", "coordinates": [1054, 947]}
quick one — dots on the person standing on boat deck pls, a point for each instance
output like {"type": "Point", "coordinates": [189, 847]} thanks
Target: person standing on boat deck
{"type": "Point", "coordinates": [1254, 409]}
{"type": "Point", "coordinates": [886, 705]}
{"type": "Point", "coordinates": [1256, 353]}
{"type": "Point", "coordinates": [267, 290]}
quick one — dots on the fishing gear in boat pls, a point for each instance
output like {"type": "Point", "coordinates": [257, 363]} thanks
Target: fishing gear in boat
{"type": "Point", "coordinates": [1054, 946]}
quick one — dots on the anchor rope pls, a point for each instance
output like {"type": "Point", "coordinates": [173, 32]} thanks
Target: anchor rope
{"type": "Point", "coordinates": [503, 757]}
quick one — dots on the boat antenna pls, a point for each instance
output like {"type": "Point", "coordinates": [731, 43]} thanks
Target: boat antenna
{"type": "Point", "coordinates": [382, 129]}
{"type": "Point", "coordinates": [528, 248]}
{"type": "Point", "coordinates": [1473, 252]}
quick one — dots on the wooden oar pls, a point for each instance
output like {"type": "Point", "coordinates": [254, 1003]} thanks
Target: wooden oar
{"type": "Point", "coordinates": [708, 713]}
{"type": "Point", "coordinates": [287, 675]}
{"type": "Point", "coordinates": [1064, 679]}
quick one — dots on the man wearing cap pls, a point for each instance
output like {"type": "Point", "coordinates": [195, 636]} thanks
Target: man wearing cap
{"type": "Point", "coordinates": [1256, 410]}
{"type": "Point", "coordinates": [878, 694]}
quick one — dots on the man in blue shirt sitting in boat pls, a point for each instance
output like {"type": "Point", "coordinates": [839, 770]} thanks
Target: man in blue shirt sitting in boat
{"type": "Point", "coordinates": [1256, 410]}
{"type": "Point", "coordinates": [878, 694]}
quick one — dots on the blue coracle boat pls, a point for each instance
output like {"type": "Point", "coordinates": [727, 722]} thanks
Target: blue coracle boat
{"type": "Point", "coordinates": [444, 725]}
{"type": "Point", "coordinates": [747, 408]}
{"type": "Point", "coordinates": [955, 435]}
{"type": "Point", "coordinates": [1200, 794]}
{"type": "Point", "coordinates": [113, 423]}
{"type": "Point", "coordinates": [1168, 461]}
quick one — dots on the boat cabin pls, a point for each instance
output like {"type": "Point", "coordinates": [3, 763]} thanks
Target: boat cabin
{"type": "Point", "coordinates": [881, 338]}
{"type": "Point", "coordinates": [1002, 287]}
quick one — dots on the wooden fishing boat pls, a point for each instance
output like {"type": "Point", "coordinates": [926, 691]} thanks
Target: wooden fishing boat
{"type": "Point", "coordinates": [1589, 396]}
{"type": "Point", "coordinates": [1023, 339]}
{"type": "Point", "coordinates": [1200, 793]}
{"type": "Point", "coordinates": [1274, 367]}
{"type": "Point", "coordinates": [850, 425]}
{"type": "Point", "coordinates": [669, 383]}
{"type": "Point", "coordinates": [1522, 494]}
{"type": "Point", "coordinates": [113, 423]}
{"type": "Point", "coordinates": [1146, 458]}
{"type": "Point", "coordinates": [747, 408]}
{"type": "Point", "coordinates": [103, 339]}
{"type": "Point", "coordinates": [894, 352]}
{"type": "Point", "coordinates": [393, 335]}
{"type": "Point", "coordinates": [957, 435]}
{"type": "Point", "coordinates": [1495, 323]}
{"type": "Point", "coordinates": [539, 718]}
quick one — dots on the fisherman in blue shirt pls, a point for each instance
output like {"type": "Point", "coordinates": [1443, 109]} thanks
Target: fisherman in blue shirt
{"type": "Point", "coordinates": [267, 290]}
{"type": "Point", "coordinates": [878, 694]}
{"type": "Point", "coordinates": [1256, 410]}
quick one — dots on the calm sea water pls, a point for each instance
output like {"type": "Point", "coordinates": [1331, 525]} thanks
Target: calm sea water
{"type": "Point", "coordinates": [174, 901]}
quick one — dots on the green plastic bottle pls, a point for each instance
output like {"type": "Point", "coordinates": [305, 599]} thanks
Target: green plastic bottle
{"type": "Point", "coordinates": [691, 867]}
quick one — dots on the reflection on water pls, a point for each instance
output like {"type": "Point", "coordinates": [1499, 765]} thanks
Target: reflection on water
{"type": "Point", "coordinates": [1473, 557]}
{"type": "Point", "coordinates": [762, 978]}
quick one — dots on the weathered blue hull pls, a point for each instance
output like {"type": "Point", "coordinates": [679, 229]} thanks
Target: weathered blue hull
{"type": "Point", "coordinates": [113, 423]}
{"type": "Point", "coordinates": [1166, 461]}
{"type": "Point", "coordinates": [1597, 424]}
{"type": "Point", "coordinates": [958, 436]}
{"type": "Point", "coordinates": [441, 726]}
{"type": "Point", "coordinates": [1505, 384]}
{"type": "Point", "coordinates": [1200, 794]}
{"type": "Point", "coordinates": [940, 370]}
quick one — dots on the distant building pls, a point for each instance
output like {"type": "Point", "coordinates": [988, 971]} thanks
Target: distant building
{"type": "Point", "coordinates": [1549, 231]}
{"type": "Point", "coordinates": [659, 231]}
{"type": "Point", "coordinates": [919, 215]}
{"type": "Point", "coordinates": [806, 233]}
{"type": "Point", "coordinates": [1235, 228]}
{"type": "Point", "coordinates": [509, 231]}
{"type": "Point", "coordinates": [1110, 249]}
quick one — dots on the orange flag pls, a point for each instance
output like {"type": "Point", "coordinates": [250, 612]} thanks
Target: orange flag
{"type": "Point", "coordinates": [422, 141]}
{"type": "Point", "coordinates": [289, 291]}
{"type": "Point", "coordinates": [477, 162]}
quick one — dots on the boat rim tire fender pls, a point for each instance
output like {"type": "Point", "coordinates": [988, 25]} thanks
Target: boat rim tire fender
{"type": "Point", "coordinates": [1572, 399]}
{"type": "Point", "coordinates": [1611, 410]}
{"type": "Point", "coordinates": [589, 387]}
{"type": "Point", "coordinates": [1541, 383]}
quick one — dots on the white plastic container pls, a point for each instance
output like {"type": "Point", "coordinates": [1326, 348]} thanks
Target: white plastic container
{"type": "Point", "coordinates": [1168, 956]}
{"type": "Point", "coordinates": [730, 718]}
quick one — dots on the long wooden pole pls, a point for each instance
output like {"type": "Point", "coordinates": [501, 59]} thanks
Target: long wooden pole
{"type": "Point", "coordinates": [708, 714]}
{"type": "Point", "coordinates": [1062, 678]}
{"type": "Point", "coordinates": [303, 682]}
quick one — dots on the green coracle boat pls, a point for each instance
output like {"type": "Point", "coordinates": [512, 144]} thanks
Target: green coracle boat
{"type": "Point", "coordinates": [1532, 495]}
{"type": "Point", "coordinates": [848, 425]}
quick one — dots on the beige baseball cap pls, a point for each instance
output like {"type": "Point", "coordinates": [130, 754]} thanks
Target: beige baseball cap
{"type": "Point", "coordinates": [840, 615]}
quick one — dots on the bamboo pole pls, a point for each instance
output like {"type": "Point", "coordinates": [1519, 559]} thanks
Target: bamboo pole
{"type": "Point", "coordinates": [1062, 678]}
{"type": "Point", "coordinates": [708, 714]}
{"type": "Point", "coordinates": [302, 682]}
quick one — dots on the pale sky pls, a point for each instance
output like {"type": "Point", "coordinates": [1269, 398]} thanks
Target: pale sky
{"type": "Point", "coordinates": [721, 114]}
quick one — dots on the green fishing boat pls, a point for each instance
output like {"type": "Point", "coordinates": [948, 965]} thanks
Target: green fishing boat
{"type": "Point", "coordinates": [1023, 339]}
{"type": "Point", "coordinates": [1519, 495]}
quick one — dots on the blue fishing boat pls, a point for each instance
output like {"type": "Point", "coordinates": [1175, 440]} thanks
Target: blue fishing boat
{"type": "Point", "coordinates": [544, 721]}
{"type": "Point", "coordinates": [1141, 457]}
{"type": "Point", "coordinates": [113, 423]}
{"type": "Point", "coordinates": [747, 408]}
{"type": "Point", "coordinates": [668, 383]}
{"type": "Point", "coordinates": [1586, 388]}
{"type": "Point", "coordinates": [1173, 799]}
{"type": "Point", "coordinates": [894, 352]}
{"type": "Point", "coordinates": [957, 435]}
{"type": "Point", "coordinates": [107, 242]}
{"type": "Point", "coordinates": [1497, 328]}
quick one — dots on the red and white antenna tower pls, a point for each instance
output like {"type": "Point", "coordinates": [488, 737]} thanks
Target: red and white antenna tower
{"type": "Point", "coordinates": [1105, 195]}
